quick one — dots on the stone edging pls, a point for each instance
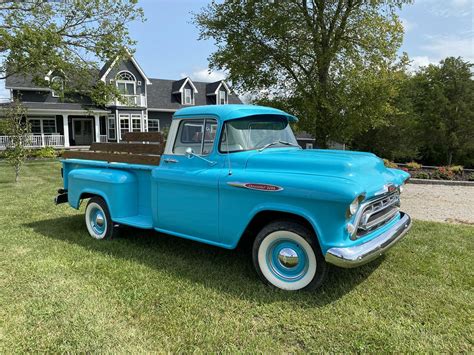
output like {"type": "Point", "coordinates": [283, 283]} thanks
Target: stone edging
{"type": "Point", "coordinates": [441, 182]}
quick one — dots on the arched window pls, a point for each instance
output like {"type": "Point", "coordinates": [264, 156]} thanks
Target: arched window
{"type": "Point", "coordinates": [126, 83]}
{"type": "Point", "coordinates": [57, 84]}
{"type": "Point", "coordinates": [125, 76]}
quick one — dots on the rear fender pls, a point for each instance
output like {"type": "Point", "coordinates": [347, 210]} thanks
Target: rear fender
{"type": "Point", "coordinates": [118, 188]}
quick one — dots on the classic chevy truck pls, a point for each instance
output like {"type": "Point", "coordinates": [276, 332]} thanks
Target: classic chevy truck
{"type": "Point", "coordinates": [235, 172]}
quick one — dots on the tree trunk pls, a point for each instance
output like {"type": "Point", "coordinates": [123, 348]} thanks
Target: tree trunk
{"type": "Point", "coordinates": [450, 157]}
{"type": "Point", "coordinates": [17, 174]}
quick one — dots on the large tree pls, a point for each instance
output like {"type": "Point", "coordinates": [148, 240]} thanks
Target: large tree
{"type": "Point", "coordinates": [331, 62]}
{"type": "Point", "coordinates": [69, 37]}
{"type": "Point", "coordinates": [443, 100]}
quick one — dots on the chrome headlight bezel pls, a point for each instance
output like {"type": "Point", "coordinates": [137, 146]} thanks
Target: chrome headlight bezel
{"type": "Point", "coordinates": [354, 206]}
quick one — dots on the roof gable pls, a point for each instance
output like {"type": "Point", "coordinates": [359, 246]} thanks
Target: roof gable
{"type": "Point", "coordinates": [109, 65]}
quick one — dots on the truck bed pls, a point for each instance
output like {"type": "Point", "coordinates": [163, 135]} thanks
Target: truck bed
{"type": "Point", "coordinates": [139, 148]}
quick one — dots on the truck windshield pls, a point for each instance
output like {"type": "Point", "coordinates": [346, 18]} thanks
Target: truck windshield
{"type": "Point", "coordinates": [252, 133]}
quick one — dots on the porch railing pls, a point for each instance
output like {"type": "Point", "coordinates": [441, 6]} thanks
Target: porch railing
{"type": "Point", "coordinates": [131, 101]}
{"type": "Point", "coordinates": [37, 141]}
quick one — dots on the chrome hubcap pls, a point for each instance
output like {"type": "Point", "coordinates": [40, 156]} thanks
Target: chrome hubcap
{"type": "Point", "coordinates": [288, 257]}
{"type": "Point", "coordinates": [99, 220]}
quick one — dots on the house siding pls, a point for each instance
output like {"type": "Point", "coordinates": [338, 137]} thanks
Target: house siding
{"type": "Point", "coordinates": [164, 117]}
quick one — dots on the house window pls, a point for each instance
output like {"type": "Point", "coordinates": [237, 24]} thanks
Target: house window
{"type": "Point", "coordinates": [49, 126]}
{"type": "Point", "coordinates": [111, 127]}
{"type": "Point", "coordinates": [35, 126]}
{"type": "Point", "coordinates": [126, 85]}
{"type": "Point", "coordinates": [309, 146]}
{"type": "Point", "coordinates": [222, 97]}
{"type": "Point", "coordinates": [124, 124]}
{"type": "Point", "coordinates": [136, 123]}
{"type": "Point", "coordinates": [153, 125]}
{"type": "Point", "coordinates": [57, 84]}
{"type": "Point", "coordinates": [188, 97]}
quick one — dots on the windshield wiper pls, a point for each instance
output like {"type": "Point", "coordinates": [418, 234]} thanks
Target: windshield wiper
{"type": "Point", "coordinates": [278, 142]}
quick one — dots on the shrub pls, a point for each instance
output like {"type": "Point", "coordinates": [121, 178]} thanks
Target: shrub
{"type": "Point", "coordinates": [420, 175]}
{"type": "Point", "coordinates": [470, 177]}
{"type": "Point", "coordinates": [44, 153]}
{"type": "Point", "coordinates": [390, 164]}
{"type": "Point", "coordinates": [457, 169]}
{"type": "Point", "coordinates": [413, 165]}
{"type": "Point", "coordinates": [443, 173]}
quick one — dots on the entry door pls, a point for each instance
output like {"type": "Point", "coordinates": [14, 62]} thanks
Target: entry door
{"type": "Point", "coordinates": [83, 132]}
{"type": "Point", "coordinates": [188, 187]}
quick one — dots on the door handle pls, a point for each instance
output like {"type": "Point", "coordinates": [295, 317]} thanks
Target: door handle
{"type": "Point", "coordinates": [169, 160]}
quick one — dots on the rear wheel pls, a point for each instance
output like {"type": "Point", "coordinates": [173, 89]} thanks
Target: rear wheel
{"type": "Point", "coordinates": [98, 220]}
{"type": "Point", "coordinates": [286, 255]}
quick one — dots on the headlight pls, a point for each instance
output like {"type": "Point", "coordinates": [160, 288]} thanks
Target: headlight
{"type": "Point", "coordinates": [354, 206]}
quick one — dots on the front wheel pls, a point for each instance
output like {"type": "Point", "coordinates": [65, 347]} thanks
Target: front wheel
{"type": "Point", "coordinates": [98, 220]}
{"type": "Point", "coordinates": [286, 255]}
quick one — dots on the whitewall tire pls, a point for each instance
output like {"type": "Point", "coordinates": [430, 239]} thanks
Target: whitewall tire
{"type": "Point", "coordinates": [287, 256]}
{"type": "Point", "coordinates": [97, 218]}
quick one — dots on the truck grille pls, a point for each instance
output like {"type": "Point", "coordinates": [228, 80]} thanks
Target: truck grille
{"type": "Point", "coordinates": [378, 212]}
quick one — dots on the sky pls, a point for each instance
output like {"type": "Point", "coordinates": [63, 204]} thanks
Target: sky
{"type": "Point", "coordinates": [168, 46]}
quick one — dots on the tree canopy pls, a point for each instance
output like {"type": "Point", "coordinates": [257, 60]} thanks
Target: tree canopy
{"type": "Point", "coordinates": [70, 37]}
{"type": "Point", "coordinates": [332, 63]}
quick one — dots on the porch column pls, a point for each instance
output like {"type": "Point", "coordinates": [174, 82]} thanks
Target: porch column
{"type": "Point", "coordinates": [97, 128]}
{"type": "Point", "coordinates": [66, 130]}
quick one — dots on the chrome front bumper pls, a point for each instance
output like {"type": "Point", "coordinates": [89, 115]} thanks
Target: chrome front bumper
{"type": "Point", "coordinates": [364, 253]}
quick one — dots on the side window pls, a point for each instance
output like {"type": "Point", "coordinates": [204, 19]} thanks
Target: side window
{"type": "Point", "coordinates": [196, 134]}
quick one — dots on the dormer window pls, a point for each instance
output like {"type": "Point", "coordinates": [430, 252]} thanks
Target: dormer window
{"type": "Point", "coordinates": [57, 84]}
{"type": "Point", "coordinates": [219, 91]}
{"type": "Point", "coordinates": [185, 91]}
{"type": "Point", "coordinates": [222, 97]}
{"type": "Point", "coordinates": [188, 97]}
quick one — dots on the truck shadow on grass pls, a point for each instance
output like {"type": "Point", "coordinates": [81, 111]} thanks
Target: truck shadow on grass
{"type": "Point", "coordinates": [227, 271]}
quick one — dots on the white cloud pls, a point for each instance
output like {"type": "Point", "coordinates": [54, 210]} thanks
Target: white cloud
{"type": "Point", "coordinates": [460, 3]}
{"type": "Point", "coordinates": [442, 47]}
{"type": "Point", "coordinates": [407, 25]}
{"type": "Point", "coordinates": [205, 75]}
{"type": "Point", "coordinates": [446, 9]}
{"type": "Point", "coordinates": [420, 61]}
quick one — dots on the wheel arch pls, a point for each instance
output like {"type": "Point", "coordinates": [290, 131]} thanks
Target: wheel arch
{"type": "Point", "coordinates": [261, 218]}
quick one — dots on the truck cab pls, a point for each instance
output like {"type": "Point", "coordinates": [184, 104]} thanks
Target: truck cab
{"type": "Point", "coordinates": [234, 172]}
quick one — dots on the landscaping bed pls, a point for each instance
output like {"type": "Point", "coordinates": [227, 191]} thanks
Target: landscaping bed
{"type": "Point", "coordinates": [418, 171]}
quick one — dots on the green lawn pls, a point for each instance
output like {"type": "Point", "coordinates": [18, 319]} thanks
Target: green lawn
{"type": "Point", "coordinates": [62, 291]}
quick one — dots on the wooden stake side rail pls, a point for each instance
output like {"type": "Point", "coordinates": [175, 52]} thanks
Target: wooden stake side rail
{"type": "Point", "coordinates": [134, 148]}
{"type": "Point", "coordinates": [155, 137]}
{"type": "Point", "coordinates": [147, 152]}
{"type": "Point", "coordinates": [114, 157]}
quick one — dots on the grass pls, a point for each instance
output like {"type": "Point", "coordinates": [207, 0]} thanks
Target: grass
{"type": "Point", "coordinates": [62, 291]}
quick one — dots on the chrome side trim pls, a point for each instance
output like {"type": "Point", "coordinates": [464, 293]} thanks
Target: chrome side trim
{"type": "Point", "coordinates": [257, 186]}
{"type": "Point", "coordinates": [361, 254]}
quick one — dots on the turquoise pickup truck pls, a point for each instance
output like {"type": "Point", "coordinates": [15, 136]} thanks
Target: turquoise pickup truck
{"type": "Point", "coordinates": [234, 172]}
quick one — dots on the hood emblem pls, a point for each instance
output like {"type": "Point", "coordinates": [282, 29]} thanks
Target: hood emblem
{"type": "Point", "coordinates": [255, 186]}
{"type": "Point", "coordinates": [387, 188]}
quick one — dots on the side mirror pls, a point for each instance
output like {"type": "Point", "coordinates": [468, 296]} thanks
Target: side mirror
{"type": "Point", "coordinates": [189, 152]}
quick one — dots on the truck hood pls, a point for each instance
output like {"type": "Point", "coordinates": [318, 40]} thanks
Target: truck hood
{"type": "Point", "coordinates": [365, 169]}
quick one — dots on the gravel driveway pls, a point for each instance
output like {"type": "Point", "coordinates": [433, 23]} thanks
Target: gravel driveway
{"type": "Point", "coordinates": [439, 203]}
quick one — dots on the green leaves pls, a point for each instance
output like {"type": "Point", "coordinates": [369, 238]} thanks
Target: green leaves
{"type": "Point", "coordinates": [18, 130]}
{"type": "Point", "coordinates": [69, 37]}
{"type": "Point", "coordinates": [330, 62]}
